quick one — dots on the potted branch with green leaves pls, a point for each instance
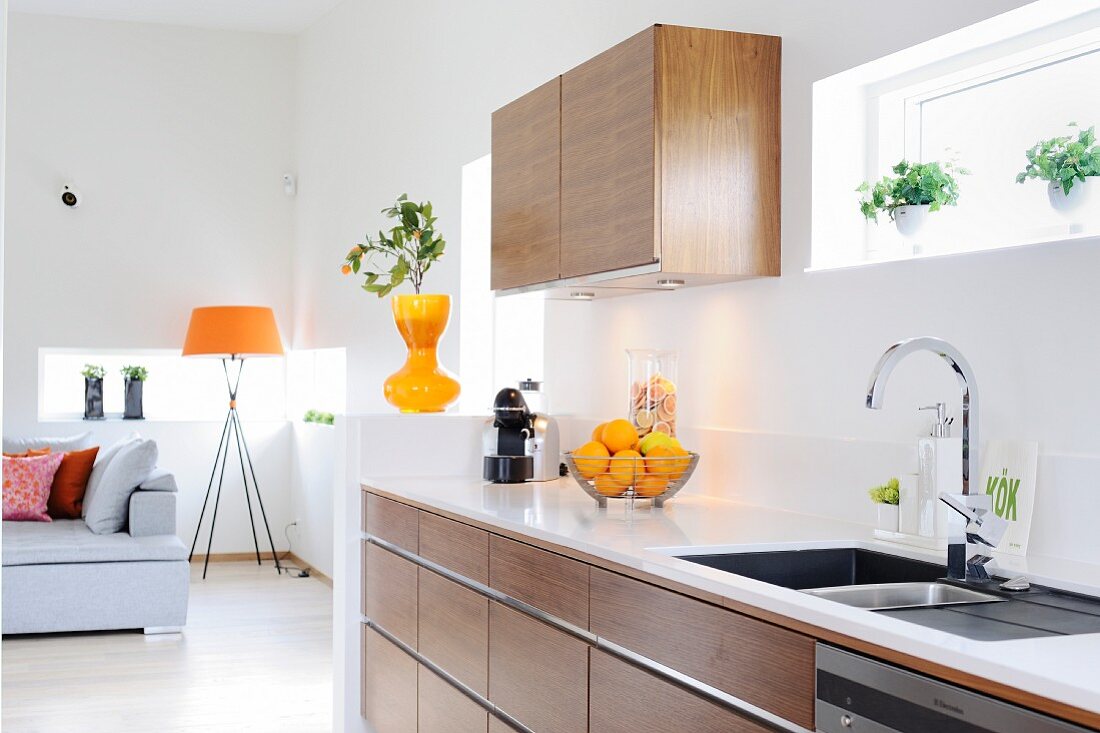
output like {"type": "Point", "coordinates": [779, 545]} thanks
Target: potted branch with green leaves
{"type": "Point", "coordinates": [93, 391]}
{"type": "Point", "coordinates": [886, 499]}
{"type": "Point", "coordinates": [1066, 163]}
{"type": "Point", "coordinates": [413, 245]}
{"type": "Point", "coordinates": [915, 190]}
{"type": "Point", "coordinates": [133, 378]}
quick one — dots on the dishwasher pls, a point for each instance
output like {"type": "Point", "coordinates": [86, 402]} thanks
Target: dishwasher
{"type": "Point", "coordinates": [860, 695]}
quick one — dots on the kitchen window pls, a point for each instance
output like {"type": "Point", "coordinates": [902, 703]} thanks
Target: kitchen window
{"type": "Point", "coordinates": [981, 96]}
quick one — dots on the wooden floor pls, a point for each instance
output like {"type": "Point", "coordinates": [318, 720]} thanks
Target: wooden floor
{"type": "Point", "coordinates": [256, 655]}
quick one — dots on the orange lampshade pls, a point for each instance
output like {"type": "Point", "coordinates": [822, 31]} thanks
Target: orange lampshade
{"type": "Point", "coordinates": [232, 330]}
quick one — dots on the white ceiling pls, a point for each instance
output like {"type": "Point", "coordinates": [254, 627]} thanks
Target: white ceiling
{"type": "Point", "coordinates": [268, 16]}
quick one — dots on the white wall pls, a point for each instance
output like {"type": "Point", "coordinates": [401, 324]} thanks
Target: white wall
{"type": "Point", "coordinates": [178, 138]}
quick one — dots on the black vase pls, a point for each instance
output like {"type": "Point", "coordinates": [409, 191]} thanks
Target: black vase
{"type": "Point", "coordinates": [133, 409]}
{"type": "Point", "coordinates": [93, 399]}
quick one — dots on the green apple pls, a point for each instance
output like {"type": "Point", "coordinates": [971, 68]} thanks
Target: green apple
{"type": "Point", "coordinates": [653, 440]}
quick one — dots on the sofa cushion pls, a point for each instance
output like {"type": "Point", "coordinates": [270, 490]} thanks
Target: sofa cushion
{"type": "Point", "coordinates": [57, 445]}
{"type": "Point", "coordinates": [70, 541]}
{"type": "Point", "coordinates": [99, 468]}
{"type": "Point", "coordinates": [69, 484]}
{"type": "Point", "coordinates": [106, 511]}
{"type": "Point", "coordinates": [26, 486]}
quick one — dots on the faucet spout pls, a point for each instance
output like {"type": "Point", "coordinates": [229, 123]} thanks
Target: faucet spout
{"type": "Point", "coordinates": [967, 385]}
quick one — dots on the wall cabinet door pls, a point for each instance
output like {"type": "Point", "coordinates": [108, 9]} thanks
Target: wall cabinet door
{"type": "Point", "coordinates": [625, 699]}
{"type": "Point", "coordinates": [388, 698]}
{"type": "Point", "coordinates": [443, 709]}
{"type": "Point", "coordinates": [537, 674]}
{"type": "Point", "coordinates": [526, 194]}
{"type": "Point", "coordinates": [608, 187]}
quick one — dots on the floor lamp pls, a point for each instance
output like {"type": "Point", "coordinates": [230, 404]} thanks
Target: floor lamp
{"type": "Point", "coordinates": [233, 333]}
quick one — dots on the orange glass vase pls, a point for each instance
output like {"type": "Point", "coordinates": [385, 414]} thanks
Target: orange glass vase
{"type": "Point", "coordinates": [421, 385]}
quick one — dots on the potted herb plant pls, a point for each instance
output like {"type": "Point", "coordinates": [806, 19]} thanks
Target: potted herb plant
{"type": "Point", "coordinates": [93, 391]}
{"type": "Point", "coordinates": [134, 380]}
{"type": "Point", "coordinates": [413, 245]}
{"type": "Point", "coordinates": [886, 499]}
{"type": "Point", "coordinates": [1066, 163]}
{"type": "Point", "coordinates": [915, 190]}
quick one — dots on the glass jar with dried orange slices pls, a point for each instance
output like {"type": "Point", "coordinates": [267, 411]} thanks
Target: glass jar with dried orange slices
{"type": "Point", "coordinates": [653, 392]}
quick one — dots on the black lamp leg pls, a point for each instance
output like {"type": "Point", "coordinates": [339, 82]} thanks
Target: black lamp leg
{"type": "Point", "coordinates": [214, 515]}
{"type": "Point", "coordinates": [256, 487]}
{"type": "Point", "coordinates": [244, 482]}
{"type": "Point", "coordinates": [209, 487]}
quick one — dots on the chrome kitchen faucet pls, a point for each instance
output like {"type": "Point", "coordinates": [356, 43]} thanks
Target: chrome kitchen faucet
{"type": "Point", "coordinates": [969, 509]}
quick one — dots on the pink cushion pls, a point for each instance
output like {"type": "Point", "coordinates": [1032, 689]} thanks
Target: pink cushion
{"type": "Point", "coordinates": [27, 486]}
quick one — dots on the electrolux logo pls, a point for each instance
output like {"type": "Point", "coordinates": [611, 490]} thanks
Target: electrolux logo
{"type": "Point", "coordinates": [949, 707]}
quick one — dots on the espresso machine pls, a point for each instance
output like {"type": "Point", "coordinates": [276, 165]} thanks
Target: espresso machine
{"type": "Point", "coordinates": [519, 445]}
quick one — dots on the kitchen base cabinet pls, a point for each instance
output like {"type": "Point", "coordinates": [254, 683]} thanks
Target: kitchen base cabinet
{"type": "Point", "coordinates": [391, 601]}
{"type": "Point", "coordinates": [537, 674]}
{"type": "Point", "coordinates": [454, 630]}
{"type": "Point", "coordinates": [626, 699]}
{"type": "Point", "coordinates": [443, 709]}
{"type": "Point", "coordinates": [389, 685]}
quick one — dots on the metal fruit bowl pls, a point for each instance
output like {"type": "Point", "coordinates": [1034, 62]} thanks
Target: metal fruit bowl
{"type": "Point", "coordinates": [654, 478]}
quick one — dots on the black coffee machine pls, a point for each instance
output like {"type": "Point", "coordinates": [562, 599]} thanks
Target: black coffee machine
{"type": "Point", "coordinates": [519, 445]}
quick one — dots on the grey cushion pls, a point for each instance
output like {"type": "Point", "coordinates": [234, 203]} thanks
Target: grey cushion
{"type": "Point", "coordinates": [70, 541]}
{"type": "Point", "coordinates": [56, 445]}
{"type": "Point", "coordinates": [99, 468]}
{"type": "Point", "coordinates": [106, 510]}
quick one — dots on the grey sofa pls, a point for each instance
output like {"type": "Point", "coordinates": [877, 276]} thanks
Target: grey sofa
{"type": "Point", "coordinates": [59, 576]}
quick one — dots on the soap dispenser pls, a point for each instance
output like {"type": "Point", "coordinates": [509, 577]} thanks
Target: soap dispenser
{"type": "Point", "coordinates": [939, 460]}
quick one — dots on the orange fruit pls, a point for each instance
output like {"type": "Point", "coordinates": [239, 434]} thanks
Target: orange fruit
{"type": "Point", "coordinates": [619, 435]}
{"type": "Point", "coordinates": [659, 460]}
{"type": "Point", "coordinates": [591, 459]}
{"type": "Point", "coordinates": [681, 466]}
{"type": "Point", "coordinates": [346, 269]}
{"type": "Point", "coordinates": [650, 485]}
{"type": "Point", "coordinates": [607, 486]}
{"type": "Point", "coordinates": [597, 434]}
{"type": "Point", "coordinates": [625, 467]}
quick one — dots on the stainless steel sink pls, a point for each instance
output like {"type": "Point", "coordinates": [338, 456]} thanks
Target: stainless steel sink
{"type": "Point", "coordinates": [885, 596]}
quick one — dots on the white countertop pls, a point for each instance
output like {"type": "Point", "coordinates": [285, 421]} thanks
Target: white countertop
{"type": "Point", "coordinates": [1066, 668]}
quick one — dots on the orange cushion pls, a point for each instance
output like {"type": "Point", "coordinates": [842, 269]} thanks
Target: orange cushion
{"type": "Point", "coordinates": [32, 453]}
{"type": "Point", "coordinates": [69, 483]}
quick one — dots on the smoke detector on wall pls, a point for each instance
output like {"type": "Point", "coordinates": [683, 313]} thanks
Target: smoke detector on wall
{"type": "Point", "coordinates": [70, 196]}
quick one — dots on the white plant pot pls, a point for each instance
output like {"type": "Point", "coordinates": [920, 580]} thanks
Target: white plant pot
{"type": "Point", "coordinates": [909, 219]}
{"type": "Point", "coordinates": [886, 517]}
{"type": "Point", "coordinates": [1077, 199]}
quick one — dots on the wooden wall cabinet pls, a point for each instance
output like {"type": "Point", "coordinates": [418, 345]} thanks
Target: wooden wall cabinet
{"type": "Point", "coordinates": [667, 154]}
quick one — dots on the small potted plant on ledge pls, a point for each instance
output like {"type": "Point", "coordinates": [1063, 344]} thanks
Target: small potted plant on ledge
{"type": "Point", "coordinates": [318, 417]}
{"type": "Point", "coordinates": [886, 499]}
{"type": "Point", "coordinates": [421, 385]}
{"type": "Point", "coordinates": [93, 391]}
{"type": "Point", "coordinates": [1066, 163]}
{"type": "Point", "coordinates": [915, 190]}
{"type": "Point", "coordinates": [134, 380]}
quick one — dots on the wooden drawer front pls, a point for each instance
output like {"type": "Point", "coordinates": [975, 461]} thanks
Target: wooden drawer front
{"type": "Point", "coordinates": [454, 630]}
{"type": "Point", "coordinates": [443, 709]}
{"type": "Point", "coordinates": [392, 522]}
{"type": "Point", "coordinates": [391, 593]}
{"type": "Point", "coordinates": [389, 685]}
{"type": "Point", "coordinates": [549, 582]}
{"type": "Point", "coordinates": [537, 674]}
{"type": "Point", "coordinates": [763, 664]}
{"type": "Point", "coordinates": [458, 547]}
{"type": "Point", "coordinates": [625, 699]}
{"type": "Point", "coordinates": [496, 725]}
{"type": "Point", "coordinates": [363, 510]}
{"type": "Point", "coordinates": [363, 549]}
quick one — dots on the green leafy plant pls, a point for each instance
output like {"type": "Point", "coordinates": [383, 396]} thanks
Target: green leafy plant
{"type": "Point", "coordinates": [135, 373]}
{"type": "Point", "coordinates": [888, 493]}
{"type": "Point", "coordinates": [315, 416]}
{"type": "Point", "coordinates": [93, 371]}
{"type": "Point", "coordinates": [413, 243]}
{"type": "Point", "coordinates": [914, 184]}
{"type": "Point", "coordinates": [1063, 159]}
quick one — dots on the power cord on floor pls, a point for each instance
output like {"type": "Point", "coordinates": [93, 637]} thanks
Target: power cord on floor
{"type": "Point", "coordinates": [301, 572]}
